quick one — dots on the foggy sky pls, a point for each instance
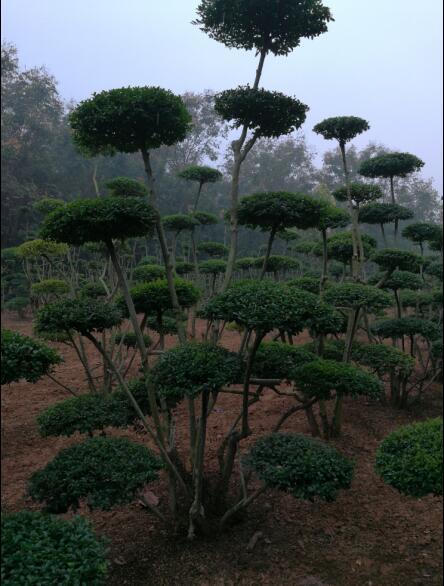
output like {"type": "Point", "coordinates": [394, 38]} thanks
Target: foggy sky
{"type": "Point", "coordinates": [380, 59]}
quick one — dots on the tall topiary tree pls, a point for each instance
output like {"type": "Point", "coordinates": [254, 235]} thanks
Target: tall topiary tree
{"type": "Point", "coordinates": [201, 175]}
{"type": "Point", "coordinates": [343, 129]}
{"type": "Point", "coordinates": [383, 213]}
{"type": "Point", "coordinates": [331, 218]}
{"type": "Point", "coordinates": [276, 27]}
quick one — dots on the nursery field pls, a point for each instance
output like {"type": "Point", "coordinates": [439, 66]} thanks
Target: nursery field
{"type": "Point", "coordinates": [371, 535]}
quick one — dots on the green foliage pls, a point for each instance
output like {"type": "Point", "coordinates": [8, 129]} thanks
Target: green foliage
{"type": "Point", "coordinates": [402, 280]}
{"type": "Point", "coordinates": [179, 222]}
{"type": "Point", "coordinates": [275, 26]}
{"type": "Point", "coordinates": [340, 246]}
{"type": "Point", "coordinates": [305, 246]}
{"type": "Point", "coordinates": [360, 193]}
{"type": "Point", "coordinates": [391, 259]}
{"type": "Point", "coordinates": [154, 297]}
{"type": "Point", "coordinates": [310, 284]}
{"type": "Point", "coordinates": [420, 232]}
{"type": "Point", "coordinates": [277, 360]}
{"type": "Point", "coordinates": [191, 368]}
{"type": "Point", "coordinates": [435, 269]}
{"type": "Point", "coordinates": [48, 204]}
{"type": "Point", "coordinates": [390, 165]}
{"type": "Point", "coordinates": [357, 295]}
{"type": "Point", "coordinates": [50, 287]}
{"type": "Point", "coordinates": [276, 263]}
{"type": "Point", "coordinates": [212, 267]}
{"type": "Point", "coordinates": [436, 350]}
{"type": "Point", "coordinates": [146, 273]}
{"type": "Point", "coordinates": [104, 471]}
{"type": "Point", "coordinates": [83, 315]}
{"type": "Point", "coordinates": [129, 339]}
{"type": "Point", "coordinates": [205, 218]}
{"type": "Point", "coordinates": [341, 128]}
{"type": "Point", "coordinates": [200, 173]}
{"type": "Point", "coordinates": [422, 299]}
{"type": "Point", "coordinates": [267, 114]}
{"type": "Point", "coordinates": [46, 248]}
{"type": "Point", "coordinates": [18, 304]}
{"type": "Point", "coordinates": [321, 377]}
{"type": "Point", "coordinates": [184, 268]}
{"type": "Point", "coordinates": [126, 187]}
{"type": "Point", "coordinates": [406, 326]}
{"type": "Point", "coordinates": [243, 264]}
{"type": "Point", "coordinates": [383, 213]}
{"type": "Point", "coordinates": [410, 459]}
{"type": "Point", "coordinates": [25, 358]}
{"type": "Point", "coordinates": [168, 327]}
{"type": "Point", "coordinates": [128, 120]}
{"type": "Point", "coordinates": [88, 413]}
{"type": "Point", "coordinates": [215, 249]}
{"type": "Point", "coordinates": [99, 220]}
{"type": "Point", "coordinates": [383, 359]}
{"type": "Point", "coordinates": [278, 210]}
{"type": "Point", "coordinates": [333, 217]}
{"type": "Point", "coordinates": [41, 549]}
{"type": "Point", "coordinates": [92, 290]}
{"type": "Point", "coordinates": [302, 466]}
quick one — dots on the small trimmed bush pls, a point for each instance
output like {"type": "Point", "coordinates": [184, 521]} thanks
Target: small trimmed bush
{"type": "Point", "coordinates": [410, 459]}
{"type": "Point", "coordinates": [277, 360]}
{"type": "Point", "coordinates": [406, 326]}
{"type": "Point", "coordinates": [146, 273]}
{"type": "Point", "coordinates": [50, 287]}
{"type": "Point", "coordinates": [126, 187]}
{"type": "Point", "coordinates": [104, 471]}
{"type": "Point", "coordinates": [184, 268]}
{"type": "Point", "coordinates": [212, 267]}
{"type": "Point", "coordinates": [357, 295]}
{"type": "Point", "coordinates": [25, 358]}
{"type": "Point", "coordinates": [391, 259]}
{"type": "Point", "coordinates": [383, 359]}
{"type": "Point", "coordinates": [310, 284]}
{"type": "Point", "coordinates": [302, 466]}
{"type": "Point", "coordinates": [155, 297]}
{"type": "Point", "coordinates": [44, 550]}
{"type": "Point", "coordinates": [93, 290]}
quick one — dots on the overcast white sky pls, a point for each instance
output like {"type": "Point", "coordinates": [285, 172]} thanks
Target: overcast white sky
{"type": "Point", "coordinates": [381, 60]}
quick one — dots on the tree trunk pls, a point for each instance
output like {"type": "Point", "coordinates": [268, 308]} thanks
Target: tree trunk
{"type": "Point", "coordinates": [324, 276]}
{"type": "Point", "coordinates": [356, 265]}
{"type": "Point", "coordinates": [267, 253]}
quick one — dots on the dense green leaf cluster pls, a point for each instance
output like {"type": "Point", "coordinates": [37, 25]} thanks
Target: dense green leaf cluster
{"type": "Point", "coordinates": [92, 290]}
{"type": "Point", "coordinates": [179, 222]}
{"type": "Point", "coordinates": [50, 287]}
{"type": "Point", "coordinates": [435, 269]}
{"type": "Point", "coordinates": [420, 232]}
{"type": "Point", "coordinates": [340, 246]}
{"type": "Point", "coordinates": [154, 297]}
{"type": "Point", "coordinates": [410, 458]}
{"type": "Point", "coordinates": [216, 249]}
{"type": "Point", "coordinates": [205, 218]}
{"type": "Point", "coordinates": [99, 220]}
{"type": "Point", "coordinates": [129, 339]}
{"type": "Point", "coordinates": [44, 550]}
{"type": "Point", "coordinates": [391, 259]}
{"type": "Point", "coordinates": [383, 213]}
{"type": "Point", "coordinates": [45, 205]}
{"type": "Point", "coordinates": [146, 273]}
{"type": "Point", "coordinates": [357, 295]}
{"type": "Point", "coordinates": [212, 267]}
{"type": "Point", "coordinates": [200, 173]}
{"type": "Point", "coordinates": [310, 284]}
{"type": "Point", "coordinates": [277, 360]}
{"type": "Point", "coordinates": [184, 268]}
{"type": "Point", "coordinates": [341, 128]}
{"type": "Point", "coordinates": [406, 326]}
{"type": "Point", "coordinates": [303, 466]}
{"type": "Point", "coordinates": [333, 217]}
{"type": "Point", "coordinates": [383, 359]}
{"type": "Point", "coordinates": [276, 263]}
{"type": "Point", "coordinates": [401, 280]}
{"type": "Point", "coordinates": [126, 187]}
{"type": "Point", "coordinates": [360, 193]}
{"type": "Point", "coordinates": [39, 247]}
{"type": "Point", "coordinates": [248, 262]}
{"type": "Point", "coordinates": [104, 471]}
{"type": "Point", "coordinates": [390, 165]}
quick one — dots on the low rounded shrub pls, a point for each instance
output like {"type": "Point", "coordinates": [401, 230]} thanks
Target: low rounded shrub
{"type": "Point", "coordinates": [302, 466]}
{"type": "Point", "coordinates": [243, 264]}
{"type": "Point", "coordinates": [104, 471]}
{"type": "Point", "coordinates": [191, 368]}
{"type": "Point", "coordinates": [212, 267]}
{"type": "Point", "coordinates": [145, 273]}
{"type": "Point", "coordinates": [126, 187]}
{"type": "Point", "coordinates": [184, 267]}
{"type": "Point", "coordinates": [93, 290]}
{"type": "Point", "coordinates": [383, 359]}
{"type": "Point", "coordinates": [50, 287]}
{"type": "Point", "coordinates": [42, 247]}
{"type": "Point", "coordinates": [410, 459]}
{"type": "Point", "coordinates": [154, 297]}
{"type": "Point", "coordinates": [42, 549]}
{"type": "Point", "coordinates": [277, 360]}
{"type": "Point", "coordinates": [25, 358]}
{"type": "Point", "coordinates": [310, 284]}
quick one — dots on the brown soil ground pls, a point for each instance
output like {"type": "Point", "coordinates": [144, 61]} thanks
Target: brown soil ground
{"type": "Point", "coordinates": [371, 536]}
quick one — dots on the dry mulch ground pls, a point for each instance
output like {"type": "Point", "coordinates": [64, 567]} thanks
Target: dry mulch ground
{"type": "Point", "coordinates": [371, 536]}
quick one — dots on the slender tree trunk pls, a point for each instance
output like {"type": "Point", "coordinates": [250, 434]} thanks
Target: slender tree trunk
{"type": "Point", "coordinates": [199, 191]}
{"type": "Point", "coordinates": [94, 178]}
{"type": "Point", "coordinates": [384, 237]}
{"type": "Point", "coordinates": [267, 253]}
{"type": "Point", "coordinates": [324, 276]}
{"type": "Point", "coordinates": [356, 265]}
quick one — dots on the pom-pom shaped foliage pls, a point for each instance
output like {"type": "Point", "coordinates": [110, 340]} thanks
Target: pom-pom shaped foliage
{"type": "Point", "coordinates": [277, 360]}
{"type": "Point", "coordinates": [212, 267]}
{"type": "Point", "coordinates": [263, 306]}
{"type": "Point", "coordinates": [435, 269]}
{"type": "Point", "coordinates": [306, 246]}
{"type": "Point", "coordinates": [391, 259]}
{"type": "Point", "coordinates": [421, 232]}
{"type": "Point", "coordinates": [104, 471]}
{"type": "Point", "coordinates": [25, 358]}
{"type": "Point", "coordinates": [42, 248]}
{"type": "Point", "coordinates": [300, 465]}
{"type": "Point", "coordinates": [83, 315]}
{"type": "Point", "coordinates": [390, 165]}
{"type": "Point", "coordinates": [357, 295]}
{"type": "Point", "coordinates": [216, 249]}
{"type": "Point", "coordinates": [360, 193]}
{"type": "Point", "coordinates": [184, 268]}
{"type": "Point", "coordinates": [333, 217]}
{"type": "Point", "coordinates": [248, 262]}
{"type": "Point", "coordinates": [129, 339]}
{"type": "Point", "coordinates": [267, 114]}
{"type": "Point", "coordinates": [310, 284]}
{"type": "Point", "coordinates": [99, 220]}
{"type": "Point", "coordinates": [50, 287]}
{"type": "Point", "coordinates": [146, 273]}
{"type": "Point", "coordinates": [420, 299]}
{"type": "Point", "coordinates": [128, 120]}
{"type": "Point", "coordinates": [154, 297]}
{"type": "Point", "coordinates": [410, 459]}
{"type": "Point", "coordinates": [383, 213]}
{"type": "Point", "coordinates": [42, 549]}
{"type": "Point", "coordinates": [406, 326]}
{"type": "Point", "coordinates": [276, 26]}
{"type": "Point", "coordinates": [340, 246]}
{"type": "Point", "coordinates": [93, 290]}
{"type": "Point", "coordinates": [321, 377]}
{"type": "Point", "coordinates": [91, 412]}
{"type": "Point", "coordinates": [200, 173]}
{"type": "Point", "coordinates": [168, 327]}
{"type": "Point", "coordinates": [48, 204]}
{"type": "Point", "coordinates": [191, 368]}
{"type": "Point", "coordinates": [126, 187]}
{"type": "Point", "coordinates": [341, 128]}
{"type": "Point", "coordinates": [275, 211]}
{"type": "Point", "coordinates": [383, 359]}
{"type": "Point", "coordinates": [179, 222]}
{"type": "Point", "coordinates": [205, 218]}
{"type": "Point", "coordinates": [276, 263]}
{"type": "Point", "coordinates": [401, 280]}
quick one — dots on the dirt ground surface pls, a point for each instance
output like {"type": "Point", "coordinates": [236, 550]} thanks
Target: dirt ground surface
{"type": "Point", "coordinates": [371, 536]}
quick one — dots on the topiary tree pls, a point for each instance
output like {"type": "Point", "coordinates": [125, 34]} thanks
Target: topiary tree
{"type": "Point", "coordinates": [275, 27]}
{"type": "Point", "coordinates": [391, 259]}
{"type": "Point", "coordinates": [407, 326]}
{"type": "Point", "coordinates": [275, 211]}
{"type": "Point", "coordinates": [25, 358]}
{"type": "Point", "coordinates": [340, 247]}
{"type": "Point", "coordinates": [176, 224]}
{"type": "Point", "coordinates": [389, 166]}
{"type": "Point", "coordinates": [49, 289]}
{"type": "Point", "coordinates": [277, 360]}
{"type": "Point", "coordinates": [435, 269]}
{"type": "Point", "coordinates": [41, 549]}
{"type": "Point", "coordinates": [202, 175]}
{"type": "Point", "coordinates": [46, 205]}
{"type": "Point", "coordinates": [331, 218]}
{"type": "Point", "coordinates": [306, 283]}
{"type": "Point", "coordinates": [276, 263]}
{"type": "Point", "coordinates": [213, 249]}
{"type": "Point", "coordinates": [184, 268]}
{"type": "Point", "coordinates": [213, 267]}
{"type": "Point", "coordinates": [399, 280]}
{"type": "Point", "coordinates": [343, 129]}
{"type": "Point", "coordinates": [383, 213]}
{"type": "Point", "coordinates": [361, 193]}
{"type": "Point", "coordinates": [410, 459]}
{"type": "Point", "coordinates": [146, 273]}
{"type": "Point", "coordinates": [126, 187]}
{"type": "Point", "coordinates": [421, 232]}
